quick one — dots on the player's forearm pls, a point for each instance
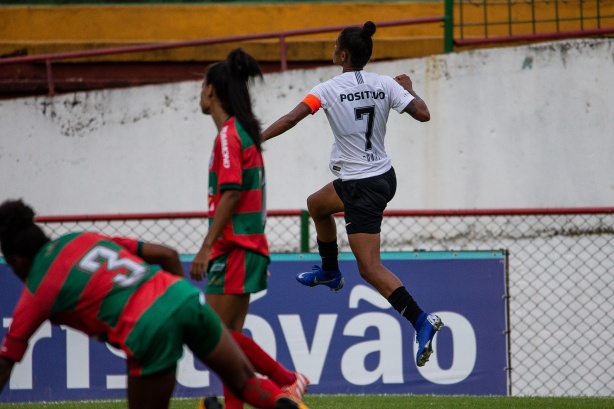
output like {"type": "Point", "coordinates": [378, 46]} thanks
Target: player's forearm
{"type": "Point", "coordinates": [223, 214]}
{"type": "Point", "coordinates": [277, 128]}
{"type": "Point", "coordinates": [287, 121]}
{"type": "Point", "coordinates": [173, 266]}
{"type": "Point", "coordinates": [417, 109]}
{"type": "Point", "coordinates": [164, 256]}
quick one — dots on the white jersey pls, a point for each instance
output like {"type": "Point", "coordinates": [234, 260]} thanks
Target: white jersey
{"type": "Point", "coordinates": [357, 104]}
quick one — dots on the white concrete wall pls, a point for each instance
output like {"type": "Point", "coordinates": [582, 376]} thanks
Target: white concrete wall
{"type": "Point", "coordinates": [529, 126]}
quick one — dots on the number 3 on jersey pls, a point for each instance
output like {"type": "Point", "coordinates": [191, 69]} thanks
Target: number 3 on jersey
{"type": "Point", "coordinates": [94, 259]}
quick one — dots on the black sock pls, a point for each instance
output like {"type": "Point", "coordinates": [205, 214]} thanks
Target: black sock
{"type": "Point", "coordinates": [405, 304]}
{"type": "Point", "coordinates": [329, 252]}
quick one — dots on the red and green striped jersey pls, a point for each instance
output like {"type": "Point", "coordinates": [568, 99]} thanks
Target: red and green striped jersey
{"type": "Point", "coordinates": [95, 284]}
{"type": "Point", "coordinates": [237, 164]}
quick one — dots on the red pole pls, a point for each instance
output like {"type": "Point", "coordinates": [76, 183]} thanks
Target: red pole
{"type": "Point", "coordinates": [283, 53]}
{"type": "Point", "coordinates": [50, 86]}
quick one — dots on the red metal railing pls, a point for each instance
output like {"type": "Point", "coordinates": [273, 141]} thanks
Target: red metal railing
{"type": "Point", "coordinates": [281, 35]}
{"type": "Point", "coordinates": [145, 216]}
{"type": "Point", "coordinates": [298, 212]}
{"type": "Point", "coordinates": [303, 229]}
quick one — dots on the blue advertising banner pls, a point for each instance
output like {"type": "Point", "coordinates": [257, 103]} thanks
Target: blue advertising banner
{"type": "Point", "coordinates": [350, 342]}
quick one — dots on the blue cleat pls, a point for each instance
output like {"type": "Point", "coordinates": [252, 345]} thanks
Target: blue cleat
{"type": "Point", "coordinates": [317, 276]}
{"type": "Point", "coordinates": [424, 337]}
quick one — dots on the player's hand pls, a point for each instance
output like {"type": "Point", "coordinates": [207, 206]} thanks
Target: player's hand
{"type": "Point", "coordinates": [404, 81]}
{"type": "Point", "coordinates": [198, 268]}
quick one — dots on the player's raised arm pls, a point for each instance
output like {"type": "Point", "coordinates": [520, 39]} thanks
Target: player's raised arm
{"type": "Point", "coordinates": [417, 107]}
{"type": "Point", "coordinates": [287, 121]}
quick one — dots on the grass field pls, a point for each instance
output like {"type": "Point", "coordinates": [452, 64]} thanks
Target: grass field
{"type": "Point", "coordinates": [375, 402]}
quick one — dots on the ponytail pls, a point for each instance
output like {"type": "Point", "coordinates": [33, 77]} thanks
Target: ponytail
{"type": "Point", "coordinates": [230, 80]}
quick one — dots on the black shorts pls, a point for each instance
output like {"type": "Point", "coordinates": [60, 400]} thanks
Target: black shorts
{"type": "Point", "coordinates": [365, 201]}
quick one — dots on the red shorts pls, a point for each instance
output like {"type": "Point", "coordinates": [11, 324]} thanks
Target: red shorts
{"type": "Point", "coordinates": [241, 271]}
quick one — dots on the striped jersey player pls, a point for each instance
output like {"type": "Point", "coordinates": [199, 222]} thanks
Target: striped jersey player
{"type": "Point", "coordinates": [234, 254]}
{"type": "Point", "coordinates": [240, 254]}
{"type": "Point", "coordinates": [98, 285]}
{"type": "Point", "coordinates": [130, 294]}
{"type": "Point", "coordinates": [237, 164]}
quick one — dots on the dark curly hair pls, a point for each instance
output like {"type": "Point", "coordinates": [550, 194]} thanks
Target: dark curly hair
{"type": "Point", "coordinates": [19, 235]}
{"type": "Point", "coordinates": [357, 41]}
{"type": "Point", "coordinates": [230, 79]}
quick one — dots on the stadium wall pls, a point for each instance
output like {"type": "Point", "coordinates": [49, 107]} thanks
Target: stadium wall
{"type": "Point", "coordinates": [527, 126]}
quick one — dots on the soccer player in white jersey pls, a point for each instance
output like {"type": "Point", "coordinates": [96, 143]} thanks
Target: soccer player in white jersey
{"type": "Point", "coordinates": [357, 104]}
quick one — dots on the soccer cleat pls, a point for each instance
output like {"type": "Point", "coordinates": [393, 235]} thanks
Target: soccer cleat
{"type": "Point", "coordinates": [317, 276]}
{"type": "Point", "coordinates": [285, 402]}
{"type": "Point", "coordinates": [210, 402]}
{"type": "Point", "coordinates": [297, 389]}
{"type": "Point", "coordinates": [424, 337]}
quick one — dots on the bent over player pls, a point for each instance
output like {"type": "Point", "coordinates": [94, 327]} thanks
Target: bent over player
{"type": "Point", "coordinates": [106, 288]}
{"type": "Point", "coordinates": [357, 104]}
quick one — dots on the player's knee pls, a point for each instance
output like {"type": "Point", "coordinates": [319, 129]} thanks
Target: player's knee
{"type": "Point", "coordinates": [314, 207]}
{"type": "Point", "coordinates": [370, 269]}
{"type": "Point", "coordinates": [366, 270]}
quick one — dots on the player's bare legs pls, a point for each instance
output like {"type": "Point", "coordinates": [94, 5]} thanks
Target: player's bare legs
{"type": "Point", "coordinates": [322, 205]}
{"type": "Point", "coordinates": [150, 392]}
{"type": "Point", "coordinates": [366, 249]}
{"type": "Point", "coordinates": [232, 309]}
{"type": "Point", "coordinates": [228, 361]}
{"type": "Point", "coordinates": [237, 374]}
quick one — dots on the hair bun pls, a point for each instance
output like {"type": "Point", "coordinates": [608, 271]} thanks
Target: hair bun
{"type": "Point", "coordinates": [368, 30]}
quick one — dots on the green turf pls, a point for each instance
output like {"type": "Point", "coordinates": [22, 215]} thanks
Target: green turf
{"type": "Point", "coordinates": [376, 402]}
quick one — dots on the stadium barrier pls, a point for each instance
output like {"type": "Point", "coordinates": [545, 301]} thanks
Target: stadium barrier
{"type": "Point", "coordinates": [561, 275]}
